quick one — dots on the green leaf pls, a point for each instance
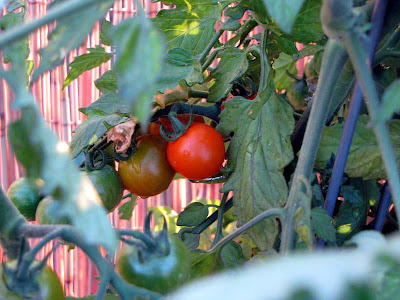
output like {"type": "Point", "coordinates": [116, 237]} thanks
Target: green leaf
{"type": "Point", "coordinates": [353, 211]}
{"type": "Point", "coordinates": [284, 44]}
{"type": "Point", "coordinates": [107, 83]}
{"type": "Point", "coordinates": [390, 103]}
{"type": "Point", "coordinates": [232, 65]}
{"type": "Point", "coordinates": [179, 64]}
{"type": "Point", "coordinates": [44, 157]}
{"type": "Point", "coordinates": [307, 27]}
{"type": "Point", "coordinates": [91, 130]}
{"type": "Point", "coordinates": [284, 12]}
{"type": "Point", "coordinates": [231, 25]}
{"type": "Point", "coordinates": [311, 49]}
{"type": "Point", "coordinates": [259, 150]}
{"type": "Point", "coordinates": [18, 51]}
{"type": "Point", "coordinates": [364, 158]}
{"type": "Point", "coordinates": [194, 214]}
{"type": "Point", "coordinates": [14, 4]}
{"type": "Point", "coordinates": [107, 104]}
{"type": "Point", "coordinates": [126, 209]}
{"type": "Point", "coordinates": [106, 28]}
{"type": "Point", "coordinates": [191, 240]}
{"type": "Point", "coordinates": [139, 62]}
{"type": "Point", "coordinates": [284, 63]}
{"type": "Point", "coordinates": [231, 255]}
{"type": "Point", "coordinates": [95, 58]}
{"type": "Point", "coordinates": [190, 25]}
{"type": "Point", "coordinates": [322, 224]}
{"type": "Point", "coordinates": [69, 33]}
{"type": "Point", "coordinates": [170, 216]}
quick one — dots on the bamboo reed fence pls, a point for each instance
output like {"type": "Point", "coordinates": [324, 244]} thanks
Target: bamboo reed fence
{"type": "Point", "coordinates": [60, 109]}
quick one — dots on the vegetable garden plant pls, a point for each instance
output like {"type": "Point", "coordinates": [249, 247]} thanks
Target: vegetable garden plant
{"type": "Point", "coordinates": [305, 162]}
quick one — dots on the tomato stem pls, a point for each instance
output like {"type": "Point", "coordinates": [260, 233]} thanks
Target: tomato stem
{"type": "Point", "coordinates": [383, 208]}
{"type": "Point", "coordinates": [273, 212]}
{"type": "Point", "coordinates": [219, 235]}
{"type": "Point", "coordinates": [210, 45]}
{"type": "Point", "coordinates": [332, 63]}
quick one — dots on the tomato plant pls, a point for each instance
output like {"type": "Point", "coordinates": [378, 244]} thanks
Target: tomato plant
{"type": "Point", "coordinates": [296, 176]}
{"type": "Point", "coordinates": [48, 285]}
{"type": "Point", "coordinates": [198, 153]}
{"type": "Point", "coordinates": [147, 172]}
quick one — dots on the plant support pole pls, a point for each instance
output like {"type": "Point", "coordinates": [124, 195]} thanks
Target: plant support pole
{"type": "Point", "coordinates": [352, 116]}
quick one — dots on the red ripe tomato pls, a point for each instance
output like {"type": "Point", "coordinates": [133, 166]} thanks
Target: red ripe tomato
{"type": "Point", "coordinates": [198, 153]}
{"type": "Point", "coordinates": [154, 128]}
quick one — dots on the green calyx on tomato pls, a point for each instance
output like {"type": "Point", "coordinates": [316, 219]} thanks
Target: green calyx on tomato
{"type": "Point", "coordinates": [154, 128]}
{"type": "Point", "coordinates": [108, 185]}
{"type": "Point", "coordinates": [147, 172]}
{"type": "Point", "coordinates": [40, 282]}
{"type": "Point", "coordinates": [25, 194]}
{"type": "Point", "coordinates": [160, 268]}
{"type": "Point", "coordinates": [47, 212]}
{"type": "Point", "coordinates": [199, 153]}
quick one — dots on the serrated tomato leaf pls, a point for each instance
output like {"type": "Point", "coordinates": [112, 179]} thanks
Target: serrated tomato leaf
{"type": "Point", "coordinates": [322, 225]}
{"type": "Point", "coordinates": [91, 130]}
{"type": "Point", "coordinates": [283, 64]}
{"type": "Point", "coordinates": [179, 64]}
{"type": "Point", "coordinates": [194, 214]}
{"type": "Point", "coordinates": [107, 83]}
{"type": "Point", "coordinates": [231, 255]}
{"type": "Point", "coordinates": [232, 65]}
{"type": "Point", "coordinates": [364, 158]}
{"type": "Point", "coordinates": [138, 64]}
{"type": "Point", "coordinates": [190, 25]}
{"type": "Point", "coordinates": [106, 28]}
{"type": "Point", "coordinates": [70, 32]}
{"type": "Point", "coordinates": [95, 58]}
{"type": "Point", "coordinates": [284, 12]}
{"type": "Point", "coordinates": [259, 150]}
{"type": "Point", "coordinates": [107, 104]}
{"type": "Point", "coordinates": [126, 209]}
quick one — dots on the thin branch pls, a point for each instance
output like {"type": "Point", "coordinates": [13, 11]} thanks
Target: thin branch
{"type": "Point", "coordinates": [221, 211]}
{"type": "Point", "coordinates": [210, 45]}
{"type": "Point", "coordinates": [273, 212]}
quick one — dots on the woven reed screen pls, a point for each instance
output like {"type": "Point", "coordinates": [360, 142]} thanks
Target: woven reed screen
{"type": "Point", "coordinates": [60, 109]}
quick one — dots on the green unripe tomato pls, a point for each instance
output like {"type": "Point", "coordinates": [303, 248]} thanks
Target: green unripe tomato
{"type": "Point", "coordinates": [47, 210]}
{"type": "Point", "coordinates": [24, 193]}
{"type": "Point", "coordinates": [157, 273]}
{"type": "Point", "coordinates": [309, 69]}
{"type": "Point", "coordinates": [296, 93]}
{"type": "Point", "coordinates": [108, 185]}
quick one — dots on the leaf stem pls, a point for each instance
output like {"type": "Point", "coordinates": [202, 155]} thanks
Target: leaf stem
{"type": "Point", "coordinates": [221, 211]}
{"type": "Point", "coordinates": [64, 9]}
{"type": "Point", "coordinates": [273, 212]}
{"type": "Point", "coordinates": [332, 64]}
{"type": "Point", "coordinates": [364, 75]}
{"type": "Point", "coordinates": [211, 44]}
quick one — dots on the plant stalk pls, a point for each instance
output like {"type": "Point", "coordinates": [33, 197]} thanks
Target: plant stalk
{"type": "Point", "coordinates": [383, 208]}
{"type": "Point", "coordinates": [332, 63]}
